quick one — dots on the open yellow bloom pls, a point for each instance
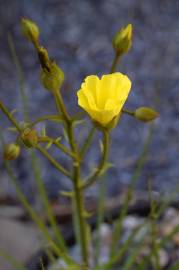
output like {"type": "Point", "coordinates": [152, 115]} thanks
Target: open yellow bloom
{"type": "Point", "coordinates": [104, 98]}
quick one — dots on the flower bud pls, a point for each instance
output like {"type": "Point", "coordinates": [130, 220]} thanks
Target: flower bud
{"type": "Point", "coordinates": [30, 30]}
{"type": "Point", "coordinates": [44, 58]}
{"type": "Point", "coordinates": [11, 151]}
{"type": "Point", "coordinates": [52, 79]}
{"type": "Point", "coordinates": [122, 41]}
{"type": "Point", "coordinates": [145, 114]}
{"type": "Point", "coordinates": [29, 137]}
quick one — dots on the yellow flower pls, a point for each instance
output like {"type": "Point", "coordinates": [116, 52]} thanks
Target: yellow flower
{"type": "Point", "coordinates": [104, 98]}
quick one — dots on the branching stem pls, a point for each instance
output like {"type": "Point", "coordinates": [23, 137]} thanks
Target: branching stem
{"type": "Point", "coordinates": [79, 198]}
{"type": "Point", "coordinates": [93, 178]}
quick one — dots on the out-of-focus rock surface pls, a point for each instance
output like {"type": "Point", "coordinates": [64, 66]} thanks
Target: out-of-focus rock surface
{"type": "Point", "coordinates": [78, 35]}
{"type": "Point", "coordinates": [21, 241]}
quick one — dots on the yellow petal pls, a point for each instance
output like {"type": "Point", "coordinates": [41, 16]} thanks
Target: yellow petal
{"type": "Point", "coordinates": [92, 84]}
{"type": "Point", "coordinates": [82, 100]}
{"type": "Point", "coordinates": [102, 117]}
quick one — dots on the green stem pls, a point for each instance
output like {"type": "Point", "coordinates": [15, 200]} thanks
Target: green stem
{"type": "Point", "coordinates": [57, 250]}
{"type": "Point", "coordinates": [93, 178]}
{"type": "Point", "coordinates": [140, 163]}
{"type": "Point", "coordinates": [44, 197]}
{"type": "Point", "coordinates": [87, 142]}
{"type": "Point", "coordinates": [12, 261]}
{"type": "Point", "coordinates": [115, 63]}
{"type": "Point", "coordinates": [46, 117]}
{"type": "Point", "coordinates": [60, 105]}
{"type": "Point", "coordinates": [153, 225]}
{"type": "Point", "coordinates": [79, 198]}
{"type": "Point", "coordinates": [10, 116]}
{"type": "Point", "coordinates": [21, 77]}
{"type": "Point", "coordinates": [128, 112]}
{"type": "Point", "coordinates": [34, 161]}
{"type": "Point", "coordinates": [57, 144]}
{"type": "Point", "coordinates": [79, 201]}
{"type": "Point", "coordinates": [38, 147]}
{"type": "Point", "coordinates": [53, 161]}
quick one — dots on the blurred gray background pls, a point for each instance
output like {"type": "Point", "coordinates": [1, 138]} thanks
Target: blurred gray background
{"type": "Point", "coordinates": [77, 34]}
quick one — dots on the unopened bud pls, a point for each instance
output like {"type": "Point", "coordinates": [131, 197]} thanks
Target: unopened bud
{"type": "Point", "coordinates": [53, 79]}
{"type": "Point", "coordinates": [122, 41]}
{"type": "Point", "coordinates": [145, 114]}
{"type": "Point", "coordinates": [29, 137]}
{"type": "Point", "coordinates": [30, 30]}
{"type": "Point", "coordinates": [11, 151]}
{"type": "Point", "coordinates": [44, 58]}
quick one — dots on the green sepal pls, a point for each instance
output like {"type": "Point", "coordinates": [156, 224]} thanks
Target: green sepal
{"type": "Point", "coordinates": [78, 122]}
{"type": "Point", "coordinates": [58, 139]}
{"type": "Point", "coordinates": [69, 194]}
{"type": "Point", "coordinates": [106, 166]}
{"type": "Point", "coordinates": [12, 129]}
{"type": "Point", "coordinates": [49, 144]}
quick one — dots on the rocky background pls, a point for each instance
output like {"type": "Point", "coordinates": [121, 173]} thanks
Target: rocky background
{"type": "Point", "coordinates": [78, 35]}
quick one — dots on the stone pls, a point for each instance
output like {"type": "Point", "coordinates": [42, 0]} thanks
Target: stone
{"type": "Point", "coordinates": [19, 240]}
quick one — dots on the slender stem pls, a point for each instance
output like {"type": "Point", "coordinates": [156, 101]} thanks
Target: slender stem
{"type": "Point", "coordinates": [115, 63]}
{"type": "Point", "coordinates": [78, 116]}
{"type": "Point", "coordinates": [128, 112]}
{"type": "Point", "coordinates": [87, 142]}
{"type": "Point", "coordinates": [93, 178]}
{"type": "Point", "coordinates": [11, 260]}
{"type": "Point", "coordinates": [42, 150]}
{"type": "Point", "coordinates": [58, 251]}
{"type": "Point", "coordinates": [139, 165]}
{"type": "Point", "coordinates": [57, 144]}
{"type": "Point", "coordinates": [21, 77]}
{"type": "Point", "coordinates": [10, 116]}
{"type": "Point", "coordinates": [154, 229]}
{"type": "Point", "coordinates": [46, 202]}
{"type": "Point", "coordinates": [33, 158]}
{"type": "Point", "coordinates": [54, 117]}
{"type": "Point", "coordinates": [60, 105]}
{"type": "Point", "coordinates": [53, 161]}
{"type": "Point", "coordinates": [79, 199]}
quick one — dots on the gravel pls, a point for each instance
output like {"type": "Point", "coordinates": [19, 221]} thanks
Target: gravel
{"type": "Point", "coordinates": [78, 35]}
